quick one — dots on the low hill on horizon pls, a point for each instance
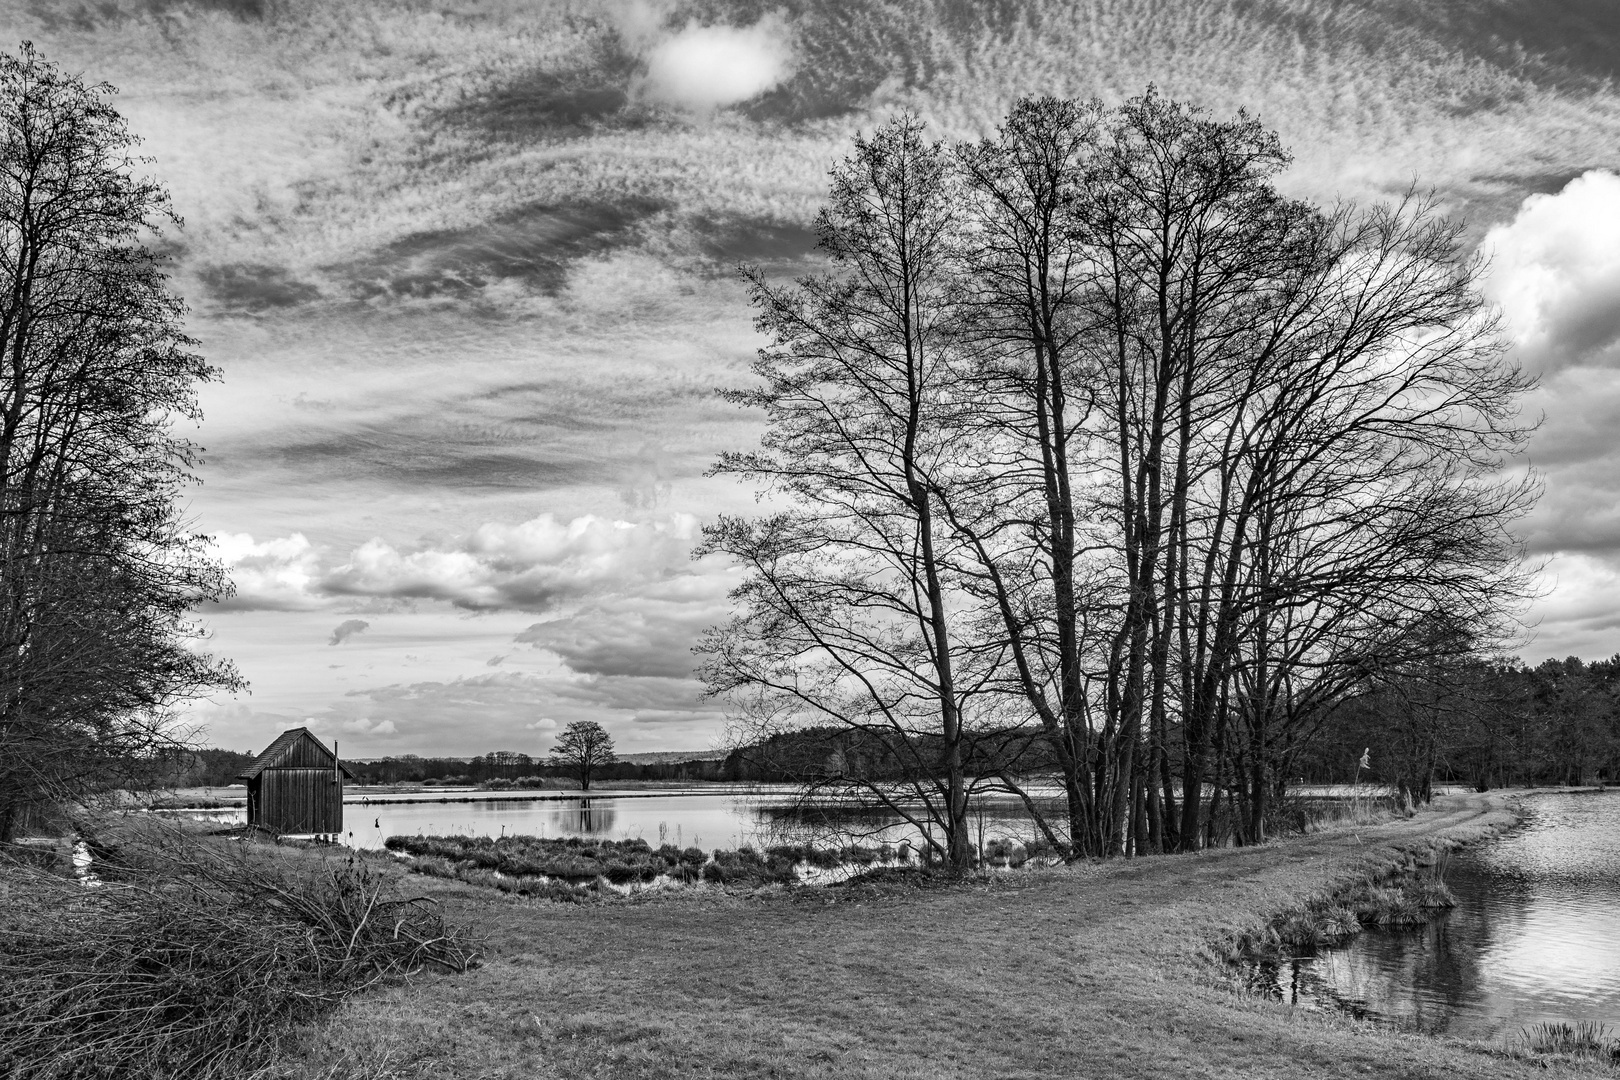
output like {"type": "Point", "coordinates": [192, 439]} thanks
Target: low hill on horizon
{"type": "Point", "coordinates": [665, 757]}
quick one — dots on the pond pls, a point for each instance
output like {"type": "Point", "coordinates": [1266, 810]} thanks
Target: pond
{"type": "Point", "coordinates": [1534, 938]}
{"type": "Point", "coordinates": [729, 817]}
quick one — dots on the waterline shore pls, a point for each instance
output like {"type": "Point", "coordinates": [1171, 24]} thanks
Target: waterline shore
{"type": "Point", "coordinates": [1096, 969]}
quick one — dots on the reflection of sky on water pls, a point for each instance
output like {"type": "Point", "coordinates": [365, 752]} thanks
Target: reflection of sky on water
{"type": "Point", "coordinates": [1535, 935]}
{"type": "Point", "coordinates": [706, 819]}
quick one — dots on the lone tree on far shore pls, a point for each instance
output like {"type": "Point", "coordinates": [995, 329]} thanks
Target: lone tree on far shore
{"type": "Point", "coordinates": [583, 747]}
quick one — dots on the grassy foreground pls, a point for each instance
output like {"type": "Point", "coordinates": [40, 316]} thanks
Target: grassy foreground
{"type": "Point", "coordinates": [1091, 970]}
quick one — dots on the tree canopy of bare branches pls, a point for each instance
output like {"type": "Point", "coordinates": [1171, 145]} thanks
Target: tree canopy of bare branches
{"type": "Point", "coordinates": [583, 747]}
{"type": "Point", "coordinates": [1096, 446]}
{"type": "Point", "coordinates": [97, 571]}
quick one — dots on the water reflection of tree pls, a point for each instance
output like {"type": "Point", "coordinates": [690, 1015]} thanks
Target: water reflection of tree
{"type": "Point", "coordinates": [1429, 977]}
{"type": "Point", "coordinates": [591, 817]}
{"type": "Point", "coordinates": [844, 820]}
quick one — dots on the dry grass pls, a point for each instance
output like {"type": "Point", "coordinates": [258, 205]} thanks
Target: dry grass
{"type": "Point", "coordinates": [1089, 970]}
{"type": "Point", "coordinates": [192, 958]}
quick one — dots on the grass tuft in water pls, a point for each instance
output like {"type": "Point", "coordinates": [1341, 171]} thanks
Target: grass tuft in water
{"type": "Point", "coordinates": [1584, 1039]}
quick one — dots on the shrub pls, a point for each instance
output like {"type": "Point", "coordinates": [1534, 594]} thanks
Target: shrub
{"type": "Point", "coordinates": [1431, 893]}
{"type": "Point", "coordinates": [195, 956]}
{"type": "Point", "coordinates": [857, 855]}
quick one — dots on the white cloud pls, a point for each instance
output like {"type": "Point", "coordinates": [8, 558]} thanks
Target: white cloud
{"type": "Point", "coordinates": [639, 22]}
{"type": "Point", "coordinates": [708, 67]}
{"type": "Point", "coordinates": [649, 632]}
{"type": "Point", "coordinates": [276, 574]}
{"type": "Point", "coordinates": [1556, 272]}
{"type": "Point", "coordinates": [1578, 616]}
{"type": "Point", "coordinates": [358, 725]}
{"type": "Point", "coordinates": [529, 566]}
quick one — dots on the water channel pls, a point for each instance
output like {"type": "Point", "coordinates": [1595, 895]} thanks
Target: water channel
{"type": "Point", "coordinates": [1534, 938]}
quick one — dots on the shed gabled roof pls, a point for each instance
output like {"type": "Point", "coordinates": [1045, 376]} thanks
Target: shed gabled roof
{"type": "Point", "coordinates": [278, 752]}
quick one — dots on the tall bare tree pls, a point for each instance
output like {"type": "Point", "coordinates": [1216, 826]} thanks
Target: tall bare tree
{"type": "Point", "coordinates": [97, 571]}
{"type": "Point", "coordinates": [847, 612]}
{"type": "Point", "coordinates": [1027, 393]}
{"type": "Point", "coordinates": [1101, 443]}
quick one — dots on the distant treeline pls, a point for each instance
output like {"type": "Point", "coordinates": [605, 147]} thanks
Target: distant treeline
{"type": "Point", "coordinates": [203, 768]}
{"type": "Point", "coordinates": [1484, 724]}
{"type": "Point", "coordinates": [507, 765]}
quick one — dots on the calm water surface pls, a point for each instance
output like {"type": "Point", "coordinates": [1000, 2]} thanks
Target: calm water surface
{"type": "Point", "coordinates": [1535, 935]}
{"type": "Point", "coordinates": [700, 817]}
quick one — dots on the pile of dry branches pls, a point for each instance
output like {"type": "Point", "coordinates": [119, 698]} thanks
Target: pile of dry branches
{"type": "Point", "coordinates": [191, 957]}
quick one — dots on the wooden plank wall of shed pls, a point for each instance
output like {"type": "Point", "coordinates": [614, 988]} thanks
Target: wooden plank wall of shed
{"type": "Point", "coordinates": [301, 800]}
{"type": "Point", "coordinates": [306, 753]}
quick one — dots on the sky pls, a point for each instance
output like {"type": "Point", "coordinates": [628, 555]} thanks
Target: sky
{"type": "Point", "coordinates": [467, 268]}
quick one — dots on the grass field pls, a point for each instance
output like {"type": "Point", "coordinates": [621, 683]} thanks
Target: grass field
{"type": "Point", "coordinates": [1085, 971]}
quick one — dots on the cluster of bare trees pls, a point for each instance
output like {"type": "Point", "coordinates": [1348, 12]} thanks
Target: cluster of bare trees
{"type": "Point", "coordinates": [1095, 457]}
{"type": "Point", "coordinates": [97, 573]}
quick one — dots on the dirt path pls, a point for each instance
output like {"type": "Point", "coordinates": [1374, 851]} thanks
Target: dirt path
{"type": "Point", "coordinates": [1083, 971]}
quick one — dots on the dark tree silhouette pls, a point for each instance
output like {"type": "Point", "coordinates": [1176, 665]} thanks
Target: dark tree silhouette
{"type": "Point", "coordinates": [582, 748]}
{"type": "Point", "coordinates": [98, 572]}
{"type": "Point", "coordinates": [1094, 438]}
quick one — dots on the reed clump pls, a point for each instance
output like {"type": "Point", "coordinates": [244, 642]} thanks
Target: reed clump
{"type": "Point", "coordinates": [574, 869]}
{"type": "Point", "coordinates": [1390, 899]}
{"type": "Point", "coordinates": [190, 957]}
{"type": "Point", "coordinates": [1584, 1039]}
{"type": "Point", "coordinates": [475, 859]}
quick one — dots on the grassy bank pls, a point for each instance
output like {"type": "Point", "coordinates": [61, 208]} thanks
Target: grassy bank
{"type": "Point", "coordinates": [1088, 970]}
{"type": "Point", "coordinates": [177, 955]}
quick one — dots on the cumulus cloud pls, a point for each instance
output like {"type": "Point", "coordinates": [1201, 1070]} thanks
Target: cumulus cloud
{"type": "Point", "coordinates": [648, 633]}
{"type": "Point", "coordinates": [277, 574]}
{"type": "Point", "coordinates": [355, 725]}
{"type": "Point", "coordinates": [530, 566]}
{"type": "Point", "coordinates": [1556, 273]}
{"type": "Point", "coordinates": [347, 629]}
{"type": "Point", "coordinates": [709, 67]}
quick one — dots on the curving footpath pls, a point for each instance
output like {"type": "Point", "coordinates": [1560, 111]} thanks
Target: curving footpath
{"type": "Point", "coordinates": [1085, 971]}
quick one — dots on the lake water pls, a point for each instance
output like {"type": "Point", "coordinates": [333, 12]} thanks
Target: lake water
{"type": "Point", "coordinates": [1535, 935]}
{"type": "Point", "coordinates": [694, 817]}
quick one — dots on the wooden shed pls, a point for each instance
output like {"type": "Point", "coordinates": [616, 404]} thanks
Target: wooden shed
{"type": "Point", "coordinates": [296, 786]}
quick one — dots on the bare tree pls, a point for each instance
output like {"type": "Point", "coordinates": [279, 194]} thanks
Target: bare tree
{"type": "Point", "coordinates": [583, 747]}
{"type": "Point", "coordinates": [1100, 454]}
{"type": "Point", "coordinates": [848, 614]}
{"type": "Point", "coordinates": [97, 571]}
{"type": "Point", "coordinates": [1026, 397]}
